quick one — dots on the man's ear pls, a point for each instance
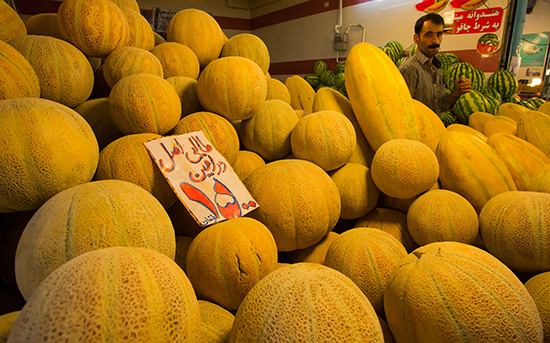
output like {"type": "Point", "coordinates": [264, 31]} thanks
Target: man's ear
{"type": "Point", "coordinates": [416, 38]}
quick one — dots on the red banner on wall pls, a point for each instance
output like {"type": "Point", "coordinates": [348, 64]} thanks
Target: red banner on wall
{"type": "Point", "coordinates": [478, 21]}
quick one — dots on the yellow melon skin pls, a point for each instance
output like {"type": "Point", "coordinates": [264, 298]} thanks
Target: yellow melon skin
{"type": "Point", "coordinates": [86, 217]}
{"type": "Point", "coordinates": [98, 114]}
{"type": "Point", "coordinates": [64, 73]}
{"type": "Point", "coordinates": [533, 127]}
{"type": "Point", "coordinates": [455, 292]}
{"type": "Point", "coordinates": [540, 181]}
{"type": "Point", "coordinates": [499, 124]}
{"type": "Point", "coordinates": [216, 322]}
{"type": "Point", "coordinates": [515, 227]}
{"type": "Point", "coordinates": [538, 288]}
{"type": "Point", "coordinates": [511, 110]}
{"type": "Point", "coordinates": [144, 103]}
{"type": "Point", "coordinates": [19, 79]}
{"type": "Point", "coordinates": [301, 93]}
{"type": "Point", "coordinates": [315, 253]}
{"type": "Point", "coordinates": [404, 168]}
{"type": "Point", "coordinates": [277, 90]}
{"type": "Point", "coordinates": [306, 302]}
{"type": "Point", "coordinates": [249, 46]}
{"type": "Point", "coordinates": [199, 31]}
{"type": "Point", "coordinates": [227, 259]}
{"type": "Point", "coordinates": [45, 148]}
{"type": "Point", "coordinates": [545, 108]}
{"type": "Point", "coordinates": [463, 128]}
{"type": "Point", "coordinates": [477, 119]}
{"type": "Point", "coordinates": [326, 138]}
{"type": "Point", "coordinates": [177, 60]}
{"type": "Point", "coordinates": [127, 159]}
{"type": "Point", "coordinates": [131, 4]}
{"type": "Point", "coordinates": [246, 162]}
{"type": "Point", "coordinates": [130, 294]}
{"type": "Point", "coordinates": [6, 322]}
{"type": "Point", "coordinates": [43, 24]}
{"type": "Point", "coordinates": [129, 60]}
{"type": "Point", "coordinates": [140, 31]}
{"type": "Point", "coordinates": [96, 27]}
{"type": "Point", "coordinates": [367, 256]}
{"type": "Point", "coordinates": [430, 126]}
{"type": "Point", "coordinates": [442, 215]}
{"type": "Point", "coordinates": [186, 88]}
{"type": "Point", "coordinates": [11, 24]}
{"type": "Point", "coordinates": [233, 87]}
{"type": "Point", "coordinates": [268, 131]}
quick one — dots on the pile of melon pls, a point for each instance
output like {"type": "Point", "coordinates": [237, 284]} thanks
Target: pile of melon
{"type": "Point", "coordinates": [376, 223]}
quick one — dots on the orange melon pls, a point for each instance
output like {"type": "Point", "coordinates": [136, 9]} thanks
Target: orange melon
{"type": "Point", "coordinates": [315, 253]}
{"type": "Point", "coordinates": [250, 46]}
{"type": "Point", "coordinates": [186, 88]}
{"type": "Point", "coordinates": [86, 217]}
{"type": "Point", "coordinates": [306, 302]}
{"type": "Point", "coordinates": [545, 108]}
{"type": "Point", "coordinates": [533, 127]}
{"type": "Point", "coordinates": [401, 204]}
{"type": "Point", "coordinates": [132, 294]}
{"type": "Point", "coordinates": [537, 286]}
{"type": "Point", "coordinates": [64, 73]}
{"type": "Point", "coordinates": [498, 124]}
{"type": "Point", "coordinates": [45, 147]}
{"type": "Point", "coordinates": [227, 259]}
{"type": "Point", "coordinates": [98, 114]}
{"type": "Point", "coordinates": [131, 4]}
{"type": "Point", "coordinates": [96, 27]}
{"type": "Point", "coordinates": [540, 181]}
{"type": "Point", "coordinates": [177, 60]}
{"type": "Point", "coordinates": [11, 24]}
{"type": "Point", "coordinates": [140, 31]}
{"type": "Point", "coordinates": [277, 90]}
{"type": "Point", "coordinates": [43, 24]}
{"type": "Point", "coordinates": [129, 60]}
{"type": "Point", "coordinates": [430, 126]}
{"type": "Point", "coordinates": [216, 322]}
{"type": "Point", "coordinates": [18, 76]}
{"type": "Point", "coordinates": [463, 128]}
{"type": "Point", "coordinates": [477, 119]}
{"type": "Point", "coordinates": [246, 162]}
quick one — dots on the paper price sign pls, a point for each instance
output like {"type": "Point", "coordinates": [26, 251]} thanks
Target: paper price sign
{"type": "Point", "coordinates": [201, 177]}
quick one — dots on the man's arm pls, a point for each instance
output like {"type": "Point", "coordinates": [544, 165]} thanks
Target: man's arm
{"type": "Point", "coordinates": [462, 86]}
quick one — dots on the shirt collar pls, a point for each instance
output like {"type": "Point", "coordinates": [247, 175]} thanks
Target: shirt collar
{"type": "Point", "coordinates": [423, 59]}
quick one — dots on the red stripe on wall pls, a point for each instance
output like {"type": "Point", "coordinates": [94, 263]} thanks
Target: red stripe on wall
{"type": "Point", "coordinates": [34, 7]}
{"type": "Point", "coordinates": [234, 23]}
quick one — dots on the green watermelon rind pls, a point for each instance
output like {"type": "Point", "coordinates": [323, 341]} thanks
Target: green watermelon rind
{"type": "Point", "coordinates": [504, 82]}
{"type": "Point", "coordinates": [319, 67]}
{"type": "Point", "coordinates": [469, 103]}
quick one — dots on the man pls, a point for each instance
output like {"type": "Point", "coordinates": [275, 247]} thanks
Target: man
{"type": "Point", "coordinates": [422, 71]}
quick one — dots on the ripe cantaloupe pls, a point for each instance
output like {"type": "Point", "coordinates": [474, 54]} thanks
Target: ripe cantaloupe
{"type": "Point", "coordinates": [455, 292]}
{"type": "Point", "coordinates": [158, 38]}
{"type": "Point", "coordinates": [404, 168]}
{"type": "Point", "coordinates": [43, 24]}
{"type": "Point", "coordinates": [131, 295]}
{"type": "Point", "coordinates": [299, 202]}
{"type": "Point", "coordinates": [540, 181]}
{"type": "Point", "coordinates": [98, 114]}
{"type": "Point", "coordinates": [233, 87]}
{"type": "Point", "coordinates": [177, 60]}
{"type": "Point", "coordinates": [268, 131]}
{"type": "Point", "coordinates": [276, 89]}
{"type": "Point", "coordinates": [515, 227]}
{"type": "Point", "coordinates": [358, 193]}
{"type": "Point", "coordinates": [11, 24]}
{"type": "Point", "coordinates": [315, 253]}
{"type": "Point", "coordinates": [19, 79]}
{"type": "Point", "coordinates": [442, 215]}
{"type": "Point", "coordinates": [198, 30]}
{"type": "Point", "coordinates": [401, 204]}
{"type": "Point", "coordinates": [131, 4]}
{"type": "Point", "coordinates": [246, 162]}
{"type": "Point", "coordinates": [45, 147]}
{"type": "Point", "coordinates": [227, 259]}
{"type": "Point", "coordinates": [250, 46]}
{"type": "Point", "coordinates": [144, 103]}
{"type": "Point", "coordinates": [127, 159]}
{"type": "Point", "coordinates": [326, 138]}
{"type": "Point", "coordinates": [129, 60]}
{"type": "Point", "coordinates": [139, 29]}
{"type": "Point", "coordinates": [90, 216]}
{"type": "Point", "coordinates": [186, 88]}
{"type": "Point", "coordinates": [216, 322]}
{"type": "Point", "coordinates": [537, 286]}
{"type": "Point", "coordinates": [64, 73]}
{"type": "Point", "coordinates": [306, 302]}
{"type": "Point", "coordinates": [367, 256]}
{"type": "Point", "coordinates": [95, 27]}
{"type": "Point", "coordinates": [217, 130]}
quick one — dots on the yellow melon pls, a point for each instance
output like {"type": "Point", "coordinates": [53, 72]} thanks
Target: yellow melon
{"type": "Point", "coordinates": [64, 73]}
{"type": "Point", "coordinates": [537, 286]}
{"type": "Point", "coordinates": [144, 103]}
{"type": "Point", "coordinates": [216, 322]}
{"type": "Point", "coordinates": [306, 302]}
{"type": "Point", "coordinates": [96, 27]}
{"type": "Point", "coordinates": [199, 31]}
{"type": "Point", "coordinates": [11, 24]}
{"type": "Point", "coordinates": [430, 126]}
{"type": "Point", "coordinates": [246, 162]}
{"type": "Point", "coordinates": [301, 93]}
{"type": "Point", "coordinates": [217, 130]}
{"type": "Point", "coordinates": [45, 147]}
{"type": "Point", "coordinates": [540, 181]}
{"type": "Point", "coordinates": [131, 4]}
{"type": "Point", "coordinates": [367, 256]}
{"type": "Point", "coordinates": [299, 202]}
{"type": "Point", "coordinates": [227, 259]}
{"type": "Point", "coordinates": [533, 127]}
{"type": "Point", "coordinates": [388, 337]}
{"type": "Point", "coordinates": [404, 168]}
{"type": "Point", "coordinates": [177, 60]}
{"type": "Point", "coordinates": [498, 124]}
{"type": "Point", "coordinates": [477, 119]}
{"type": "Point", "coordinates": [358, 193]}
{"type": "Point", "coordinates": [43, 24]}
{"type": "Point", "coordinates": [6, 322]}
{"type": "Point", "coordinates": [511, 110]}
{"type": "Point", "coordinates": [140, 31]}
{"type": "Point", "coordinates": [463, 128]}
{"type": "Point", "coordinates": [276, 89]}
{"type": "Point", "coordinates": [250, 46]}
{"type": "Point", "coordinates": [186, 88]}
{"type": "Point", "coordinates": [268, 131]}
{"type": "Point", "coordinates": [131, 294]}
{"type": "Point", "coordinates": [129, 60]}
{"type": "Point", "coordinates": [158, 38]}
{"type": "Point", "coordinates": [98, 114]}
{"type": "Point", "coordinates": [19, 79]}
{"type": "Point", "coordinates": [315, 253]}
{"type": "Point", "coordinates": [545, 108]}
{"type": "Point", "coordinates": [401, 204]}
{"type": "Point", "coordinates": [455, 292]}
{"type": "Point", "coordinates": [326, 138]}
{"type": "Point", "coordinates": [233, 87]}
{"type": "Point", "coordinates": [442, 215]}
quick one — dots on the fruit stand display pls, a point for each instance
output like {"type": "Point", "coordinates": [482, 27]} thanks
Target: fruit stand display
{"type": "Point", "coordinates": [378, 221]}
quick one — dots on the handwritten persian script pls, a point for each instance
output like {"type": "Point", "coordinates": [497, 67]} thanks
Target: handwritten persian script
{"type": "Point", "coordinates": [201, 177]}
{"type": "Point", "coordinates": [478, 21]}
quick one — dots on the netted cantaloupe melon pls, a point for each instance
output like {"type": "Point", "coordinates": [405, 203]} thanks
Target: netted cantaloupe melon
{"type": "Point", "coordinates": [306, 302]}
{"type": "Point", "coordinates": [19, 79]}
{"type": "Point", "coordinates": [98, 114]}
{"type": "Point", "coordinates": [227, 259]}
{"type": "Point", "coordinates": [131, 294]}
{"type": "Point", "coordinates": [537, 286]}
{"type": "Point", "coordinates": [246, 162]}
{"type": "Point", "coordinates": [216, 322]}
{"type": "Point", "coordinates": [43, 24]}
{"type": "Point", "coordinates": [177, 60]}
{"type": "Point", "coordinates": [86, 217]}
{"type": "Point", "coordinates": [186, 88]}
{"type": "Point", "coordinates": [139, 29]}
{"type": "Point", "coordinates": [11, 24]}
{"type": "Point", "coordinates": [131, 4]}
{"type": "Point", "coordinates": [130, 60]}
{"type": "Point", "coordinates": [45, 147]}
{"type": "Point", "coordinates": [250, 46]}
{"type": "Point", "coordinates": [313, 254]}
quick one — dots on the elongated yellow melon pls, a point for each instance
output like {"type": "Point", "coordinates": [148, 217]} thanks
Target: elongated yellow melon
{"type": "Point", "coordinates": [533, 126]}
{"type": "Point", "coordinates": [19, 79]}
{"type": "Point", "coordinates": [11, 24]}
{"type": "Point", "coordinates": [477, 119]}
{"type": "Point", "coordinates": [430, 126]}
{"type": "Point", "coordinates": [139, 30]}
{"type": "Point", "coordinates": [301, 93]}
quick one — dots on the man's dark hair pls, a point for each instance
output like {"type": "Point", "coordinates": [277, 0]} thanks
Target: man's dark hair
{"type": "Point", "coordinates": [433, 17]}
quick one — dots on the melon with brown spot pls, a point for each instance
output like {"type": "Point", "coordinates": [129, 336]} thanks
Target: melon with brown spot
{"type": "Point", "coordinates": [246, 162]}
{"type": "Point", "coordinates": [43, 24]}
{"type": "Point", "coordinates": [306, 302]}
{"type": "Point", "coordinates": [537, 286]}
{"type": "Point", "coordinates": [216, 322]}
{"type": "Point", "coordinates": [19, 79]}
{"type": "Point", "coordinates": [129, 60]}
{"type": "Point", "coordinates": [140, 31]}
{"type": "Point", "coordinates": [95, 27]}
{"type": "Point", "coordinates": [64, 73]}
{"type": "Point", "coordinates": [11, 24]}
{"type": "Point", "coordinates": [250, 46]}
{"type": "Point", "coordinates": [177, 60]}
{"type": "Point", "coordinates": [455, 292]}
{"type": "Point", "coordinates": [132, 294]}
{"type": "Point", "coordinates": [227, 259]}
{"type": "Point", "coordinates": [45, 148]}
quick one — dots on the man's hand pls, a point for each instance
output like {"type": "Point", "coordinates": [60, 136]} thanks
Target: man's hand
{"type": "Point", "coordinates": [462, 86]}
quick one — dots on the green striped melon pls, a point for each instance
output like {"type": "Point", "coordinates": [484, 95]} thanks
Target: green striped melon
{"type": "Point", "coordinates": [401, 60]}
{"type": "Point", "coordinates": [446, 62]}
{"type": "Point", "coordinates": [491, 91]}
{"type": "Point", "coordinates": [527, 104]}
{"type": "Point", "coordinates": [393, 54]}
{"type": "Point", "coordinates": [448, 118]}
{"type": "Point", "coordinates": [313, 80]}
{"type": "Point", "coordinates": [463, 70]}
{"type": "Point", "coordinates": [319, 67]}
{"type": "Point", "coordinates": [396, 47]}
{"type": "Point", "coordinates": [340, 67]}
{"type": "Point", "coordinates": [327, 77]}
{"type": "Point", "coordinates": [492, 104]}
{"type": "Point", "coordinates": [469, 103]}
{"type": "Point", "coordinates": [413, 50]}
{"type": "Point", "coordinates": [340, 80]}
{"type": "Point", "coordinates": [504, 82]}
{"type": "Point", "coordinates": [536, 102]}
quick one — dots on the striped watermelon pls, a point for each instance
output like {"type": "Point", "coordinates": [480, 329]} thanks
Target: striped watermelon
{"type": "Point", "coordinates": [480, 76]}
{"type": "Point", "coordinates": [319, 67]}
{"type": "Point", "coordinates": [401, 60]}
{"type": "Point", "coordinates": [536, 102]}
{"type": "Point", "coordinates": [448, 118]}
{"type": "Point", "coordinates": [392, 53]}
{"type": "Point", "coordinates": [504, 82]}
{"type": "Point", "coordinates": [464, 70]}
{"type": "Point", "coordinates": [513, 99]}
{"type": "Point", "coordinates": [340, 80]}
{"type": "Point", "coordinates": [453, 57]}
{"type": "Point", "coordinates": [397, 47]}
{"type": "Point", "coordinates": [340, 67]}
{"type": "Point", "coordinates": [490, 91]}
{"type": "Point", "coordinates": [413, 50]}
{"type": "Point", "coordinates": [527, 104]}
{"type": "Point", "coordinates": [492, 104]}
{"type": "Point", "coordinates": [327, 77]}
{"type": "Point", "coordinates": [469, 103]}
{"type": "Point", "coordinates": [313, 80]}
{"type": "Point", "coordinates": [446, 62]}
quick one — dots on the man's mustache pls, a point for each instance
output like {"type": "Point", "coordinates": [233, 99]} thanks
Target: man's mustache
{"type": "Point", "coordinates": [433, 46]}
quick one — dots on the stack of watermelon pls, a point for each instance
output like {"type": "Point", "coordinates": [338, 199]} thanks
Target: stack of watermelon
{"type": "Point", "coordinates": [322, 76]}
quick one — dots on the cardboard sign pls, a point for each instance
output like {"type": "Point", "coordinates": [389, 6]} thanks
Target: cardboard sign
{"type": "Point", "coordinates": [201, 177]}
{"type": "Point", "coordinates": [478, 21]}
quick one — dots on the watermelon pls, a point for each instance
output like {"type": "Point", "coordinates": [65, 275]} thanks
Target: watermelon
{"type": "Point", "coordinates": [446, 62]}
{"type": "Point", "coordinates": [490, 91]}
{"type": "Point", "coordinates": [527, 104]}
{"type": "Point", "coordinates": [397, 47]}
{"type": "Point", "coordinates": [391, 53]}
{"type": "Point", "coordinates": [327, 77]}
{"type": "Point", "coordinates": [319, 67]}
{"type": "Point", "coordinates": [413, 50]}
{"type": "Point", "coordinates": [513, 99]}
{"type": "Point", "coordinates": [340, 80]}
{"type": "Point", "coordinates": [492, 103]}
{"type": "Point", "coordinates": [469, 103]}
{"type": "Point", "coordinates": [448, 118]}
{"type": "Point", "coordinates": [504, 82]}
{"type": "Point", "coordinates": [340, 67]}
{"type": "Point", "coordinates": [464, 70]}
{"type": "Point", "coordinates": [313, 80]}
{"type": "Point", "coordinates": [536, 102]}
{"type": "Point", "coordinates": [401, 60]}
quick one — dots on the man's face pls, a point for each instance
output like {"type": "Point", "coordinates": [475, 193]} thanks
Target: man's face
{"type": "Point", "coordinates": [429, 39]}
